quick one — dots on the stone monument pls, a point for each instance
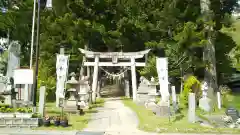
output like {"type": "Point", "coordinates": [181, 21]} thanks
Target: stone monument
{"type": "Point", "coordinates": [13, 58]}
{"type": "Point", "coordinates": [13, 63]}
{"type": "Point", "coordinates": [162, 70]}
{"type": "Point", "coordinates": [205, 102]}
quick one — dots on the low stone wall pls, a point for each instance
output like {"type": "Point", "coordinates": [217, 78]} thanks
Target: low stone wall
{"type": "Point", "coordinates": [19, 122]}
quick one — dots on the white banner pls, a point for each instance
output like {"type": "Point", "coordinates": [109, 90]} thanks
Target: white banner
{"type": "Point", "coordinates": [162, 70]}
{"type": "Point", "coordinates": [62, 72]}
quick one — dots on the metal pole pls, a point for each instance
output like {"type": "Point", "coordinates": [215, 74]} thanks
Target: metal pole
{"type": "Point", "coordinates": [37, 55]}
{"type": "Point", "coordinates": [33, 28]}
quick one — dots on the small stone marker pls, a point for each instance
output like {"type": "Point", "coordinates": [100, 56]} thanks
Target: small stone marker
{"type": "Point", "coordinates": [174, 99]}
{"type": "Point", "coordinates": [191, 108]}
{"type": "Point", "coordinates": [42, 100]}
{"type": "Point", "coordinates": [205, 104]}
{"type": "Point", "coordinates": [232, 112]}
{"type": "Point", "coordinates": [219, 100]}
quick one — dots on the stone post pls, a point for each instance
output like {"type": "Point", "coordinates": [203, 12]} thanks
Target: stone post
{"type": "Point", "coordinates": [174, 99]}
{"type": "Point", "coordinates": [42, 96]}
{"type": "Point", "coordinates": [191, 107]}
{"type": "Point", "coordinates": [219, 100]}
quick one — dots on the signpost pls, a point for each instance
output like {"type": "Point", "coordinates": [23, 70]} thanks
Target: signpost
{"type": "Point", "coordinates": [24, 76]}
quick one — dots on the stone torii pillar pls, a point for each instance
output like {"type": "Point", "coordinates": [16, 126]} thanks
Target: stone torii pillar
{"type": "Point", "coordinates": [134, 80]}
{"type": "Point", "coordinates": [95, 78]}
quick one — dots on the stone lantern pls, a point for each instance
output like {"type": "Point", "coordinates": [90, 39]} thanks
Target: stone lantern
{"type": "Point", "coordinates": [152, 93]}
{"type": "Point", "coordinates": [83, 94]}
{"type": "Point", "coordinates": [71, 103]}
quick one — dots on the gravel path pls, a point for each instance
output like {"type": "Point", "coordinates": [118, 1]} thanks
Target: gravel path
{"type": "Point", "coordinates": [114, 116]}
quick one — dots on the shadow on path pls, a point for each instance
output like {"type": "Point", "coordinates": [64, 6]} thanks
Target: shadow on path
{"type": "Point", "coordinates": [112, 91]}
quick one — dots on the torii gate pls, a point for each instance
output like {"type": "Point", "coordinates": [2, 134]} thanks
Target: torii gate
{"type": "Point", "coordinates": [114, 56]}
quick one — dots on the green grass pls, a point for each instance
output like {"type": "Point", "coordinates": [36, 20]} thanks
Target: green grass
{"type": "Point", "coordinates": [76, 122]}
{"type": "Point", "coordinates": [151, 123]}
{"type": "Point", "coordinates": [235, 101]}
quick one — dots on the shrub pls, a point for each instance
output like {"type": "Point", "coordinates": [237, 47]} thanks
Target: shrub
{"type": "Point", "coordinates": [191, 85]}
{"type": "Point", "coordinates": [36, 115]}
{"type": "Point", "coordinates": [24, 110]}
{"type": "Point", "coordinates": [4, 105]}
{"type": "Point", "coordinates": [225, 95]}
{"type": "Point", "coordinates": [2, 109]}
{"type": "Point", "coordinates": [6, 110]}
{"type": "Point", "coordinates": [21, 110]}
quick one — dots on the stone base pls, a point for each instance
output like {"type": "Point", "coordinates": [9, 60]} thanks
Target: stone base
{"type": "Point", "coordinates": [163, 109]}
{"type": "Point", "coordinates": [70, 106]}
{"type": "Point", "coordinates": [71, 109]}
{"type": "Point", "coordinates": [19, 122]}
